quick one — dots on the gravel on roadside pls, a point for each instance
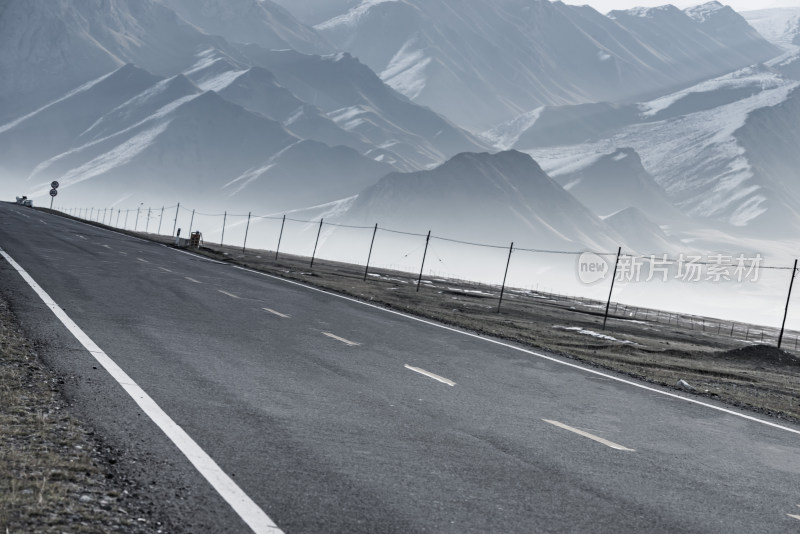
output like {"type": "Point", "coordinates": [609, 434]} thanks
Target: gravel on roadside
{"type": "Point", "coordinates": [56, 475]}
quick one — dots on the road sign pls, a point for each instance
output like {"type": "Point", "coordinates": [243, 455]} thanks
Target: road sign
{"type": "Point", "coordinates": [54, 184]}
{"type": "Point", "coordinates": [53, 192]}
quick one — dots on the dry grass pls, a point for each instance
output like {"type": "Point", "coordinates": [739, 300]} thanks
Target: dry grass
{"type": "Point", "coordinates": [52, 476]}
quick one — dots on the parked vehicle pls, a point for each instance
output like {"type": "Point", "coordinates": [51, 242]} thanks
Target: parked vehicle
{"type": "Point", "coordinates": [25, 201]}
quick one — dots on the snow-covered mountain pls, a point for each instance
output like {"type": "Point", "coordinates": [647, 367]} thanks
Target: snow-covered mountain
{"type": "Point", "coordinates": [316, 11]}
{"type": "Point", "coordinates": [780, 26]}
{"type": "Point", "coordinates": [510, 56]}
{"type": "Point", "coordinates": [723, 150]}
{"type": "Point", "coordinates": [173, 142]}
{"type": "Point", "coordinates": [52, 47]}
{"type": "Point", "coordinates": [250, 21]}
{"type": "Point", "coordinates": [359, 102]}
{"type": "Point", "coordinates": [484, 198]}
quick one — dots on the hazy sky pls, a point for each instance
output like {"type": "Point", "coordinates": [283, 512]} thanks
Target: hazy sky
{"type": "Point", "coordinates": [605, 6]}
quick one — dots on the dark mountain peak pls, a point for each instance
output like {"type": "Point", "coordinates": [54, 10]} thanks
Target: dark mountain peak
{"type": "Point", "coordinates": [130, 74]}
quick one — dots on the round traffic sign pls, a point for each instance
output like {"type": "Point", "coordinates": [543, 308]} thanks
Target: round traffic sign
{"type": "Point", "coordinates": [53, 192]}
{"type": "Point", "coordinates": [54, 184]}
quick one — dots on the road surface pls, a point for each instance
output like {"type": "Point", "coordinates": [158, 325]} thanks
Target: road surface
{"type": "Point", "coordinates": [330, 415]}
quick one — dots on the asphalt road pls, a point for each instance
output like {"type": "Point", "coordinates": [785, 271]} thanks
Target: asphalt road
{"type": "Point", "coordinates": [316, 407]}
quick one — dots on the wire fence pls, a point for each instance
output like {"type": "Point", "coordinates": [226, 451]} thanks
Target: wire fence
{"type": "Point", "coordinates": [426, 254]}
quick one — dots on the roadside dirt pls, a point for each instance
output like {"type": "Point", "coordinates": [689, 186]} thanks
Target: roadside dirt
{"type": "Point", "coordinates": [56, 475]}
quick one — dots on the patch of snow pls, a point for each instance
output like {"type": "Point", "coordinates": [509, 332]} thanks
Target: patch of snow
{"type": "Point", "coordinates": [506, 135]}
{"type": "Point", "coordinates": [747, 77]}
{"type": "Point", "coordinates": [592, 333]}
{"type": "Point", "coordinates": [620, 156]}
{"type": "Point", "coordinates": [704, 12]}
{"type": "Point", "coordinates": [345, 114]}
{"type": "Point", "coordinates": [294, 116]}
{"type": "Point", "coordinates": [81, 89]}
{"type": "Point", "coordinates": [351, 18]}
{"type": "Point", "coordinates": [220, 81]}
{"type": "Point", "coordinates": [161, 113]}
{"type": "Point", "coordinates": [405, 72]}
{"type": "Point", "coordinates": [116, 157]}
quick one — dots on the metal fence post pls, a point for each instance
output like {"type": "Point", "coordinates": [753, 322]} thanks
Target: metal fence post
{"type": "Point", "coordinates": [147, 224]}
{"type": "Point", "coordinates": [610, 291]}
{"type": "Point", "coordinates": [160, 220]}
{"type": "Point", "coordinates": [505, 276]}
{"type": "Point", "coordinates": [280, 236]}
{"type": "Point", "coordinates": [369, 256]}
{"type": "Point", "coordinates": [246, 230]}
{"type": "Point", "coordinates": [224, 220]}
{"type": "Point", "coordinates": [191, 224]}
{"type": "Point", "coordinates": [424, 254]}
{"type": "Point", "coordinates": [175, 224]}
{"type": "Point", "coordinates": [136, 224]}
{"type": "Point", "coordinates": [786, 311]}
{"type": "Point", "coordinates": [313, 254]}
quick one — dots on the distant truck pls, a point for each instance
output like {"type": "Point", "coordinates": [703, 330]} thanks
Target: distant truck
{"type": "Point", "coordinates": [25, 201]}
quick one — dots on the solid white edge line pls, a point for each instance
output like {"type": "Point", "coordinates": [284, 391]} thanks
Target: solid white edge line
{"type": "Point", "coordinates": [441, 379]}
{"type": "Point", "coordinates": [198, 256]}
{"type": "Point", "coordinates": [248, 510]}
{"type": "Point", "coordinates": [531, 352]}
{"type": "Point", "coordinates": [598, 439]}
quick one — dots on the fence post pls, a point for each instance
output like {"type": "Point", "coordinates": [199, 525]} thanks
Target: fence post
{"type": "Point", "coordinates": [503, 287]}
{"type": "Point", "coordinates": [280, 236]}
{"type": "Point", "coordinates": [786, 311]}
{"type": "Point", "coordinates": [191, 223]}
{"type": "Point", "coordinates": [91, 212]}
{"type": "Point", "coordinates": [369, 256]}
{"type": "Point", "coordinates": [116, 225]}
{"type": "Point", "coordinates": [160, 220]}
{"type": "Point", "coordinates": [175, 224]}
{"type": "Point", "coordinates": [147, 224]}
{"type": "Point", "coordinates": [224, 220]}
{"type": "Point", "coordinates": [610, 291]}
{"type": "Point", "coordinates": [247, 229]}
{"type": "Point", "coordinates": [315, 245]}
{"type": "Point", "coordinates": [126, 218]}
{"type": "Point", "coordinates": [136, 225]}
{"type": "Point", "coordinates": [424, 254]}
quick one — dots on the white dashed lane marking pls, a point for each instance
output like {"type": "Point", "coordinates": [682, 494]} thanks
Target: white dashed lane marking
{"type": "Point", "coordinates": [441, 379]}
{"type": "Point", "coordinates": [165, 269]}
{"type": "Point", "coordinates": [142, 260]}
{"type": "Point", "coordinates": [598, 439]}
{"type": "Point", "coordinates": [279, 314]}
{"type": "Point", "coordinates": [231, 295]}
{"type": "Point", "coordinates": [343, 340]}
{"type": "Point", "coordinates": [193, 280]}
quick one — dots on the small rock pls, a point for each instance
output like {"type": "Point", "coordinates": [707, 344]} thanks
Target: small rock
{"type": "Point", "coordinates": [85, 498]}
{"type": "Point", "coordinates": [683, 384]}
